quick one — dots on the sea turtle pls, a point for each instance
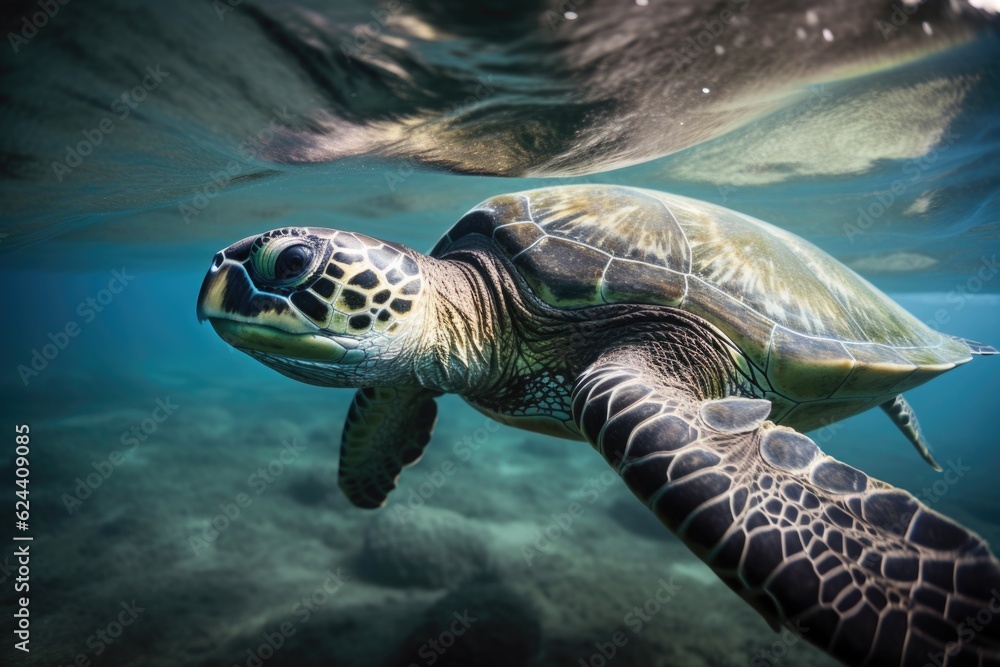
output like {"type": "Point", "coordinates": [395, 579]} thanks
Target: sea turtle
{"type": "Point", "coordinates": [689, 344]}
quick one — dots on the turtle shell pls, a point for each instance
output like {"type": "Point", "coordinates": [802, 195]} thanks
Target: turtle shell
{"type": "Point", "coordinates": [810, 331]}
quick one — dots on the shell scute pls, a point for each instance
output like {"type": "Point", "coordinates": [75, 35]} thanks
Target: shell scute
{"type": "Point", "coordinates": [831, 365]}
{"type": "Point", "coordinates": [632, 282]}
{"type": "Point", "coordinates": [515, 237]}
{"type": "Point", "coordinates": [563, 272]}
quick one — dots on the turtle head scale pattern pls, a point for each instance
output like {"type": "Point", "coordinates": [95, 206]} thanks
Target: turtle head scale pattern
{"type": "Point", "coordinates": [324, 306]}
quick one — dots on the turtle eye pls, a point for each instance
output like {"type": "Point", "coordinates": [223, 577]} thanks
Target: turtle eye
{"type": "Point", "coordinates": [293, 262]}
{"type": "Point", "coordinates": [284, 259]}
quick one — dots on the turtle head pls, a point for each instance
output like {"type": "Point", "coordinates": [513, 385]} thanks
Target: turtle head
{"type": "Point", "coordinates": [326, 307]}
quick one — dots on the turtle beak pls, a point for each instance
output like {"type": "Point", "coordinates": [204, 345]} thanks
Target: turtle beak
{"type": "Point", "coordinates": [250, 319]}
{"type": "Point", "coordinates": [212, 297]}
{"type": "Point", "coordinates": [229, 293]}
{"type": "Point", "coordinates": [210, 284]}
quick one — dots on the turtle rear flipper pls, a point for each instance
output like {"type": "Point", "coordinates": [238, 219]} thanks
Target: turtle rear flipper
{"type": "Point", "coordinates": [387, 429]}
{"type": "Point", "coordinates": [863, 570]}
{"type": "Point", "coordinates": [905, 419]}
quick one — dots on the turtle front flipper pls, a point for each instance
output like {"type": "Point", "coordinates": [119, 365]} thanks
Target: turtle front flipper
{"type": "Point", "coordinates": [387, 429]}
{"type": "Point", "coordinates": [863, 570]}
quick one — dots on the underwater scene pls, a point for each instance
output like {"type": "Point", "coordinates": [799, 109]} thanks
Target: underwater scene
{"type": "Point", "coordinates": [176, 501]}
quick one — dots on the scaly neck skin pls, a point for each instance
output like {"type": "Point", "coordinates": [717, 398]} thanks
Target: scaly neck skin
{"type": "Point", "coordinates": [676, 347]}
{"type": "Point", "coordinates": [465, 341]}
{"type": "Point", "coordinates": [478, 335]}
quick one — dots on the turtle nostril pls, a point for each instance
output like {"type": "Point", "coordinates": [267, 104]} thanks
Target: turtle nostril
{"type": "Point", "coordinates": [217, 260]}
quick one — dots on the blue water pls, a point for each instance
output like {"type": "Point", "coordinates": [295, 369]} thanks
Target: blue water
{"type": "Point", "coordinates": [103, 356]}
